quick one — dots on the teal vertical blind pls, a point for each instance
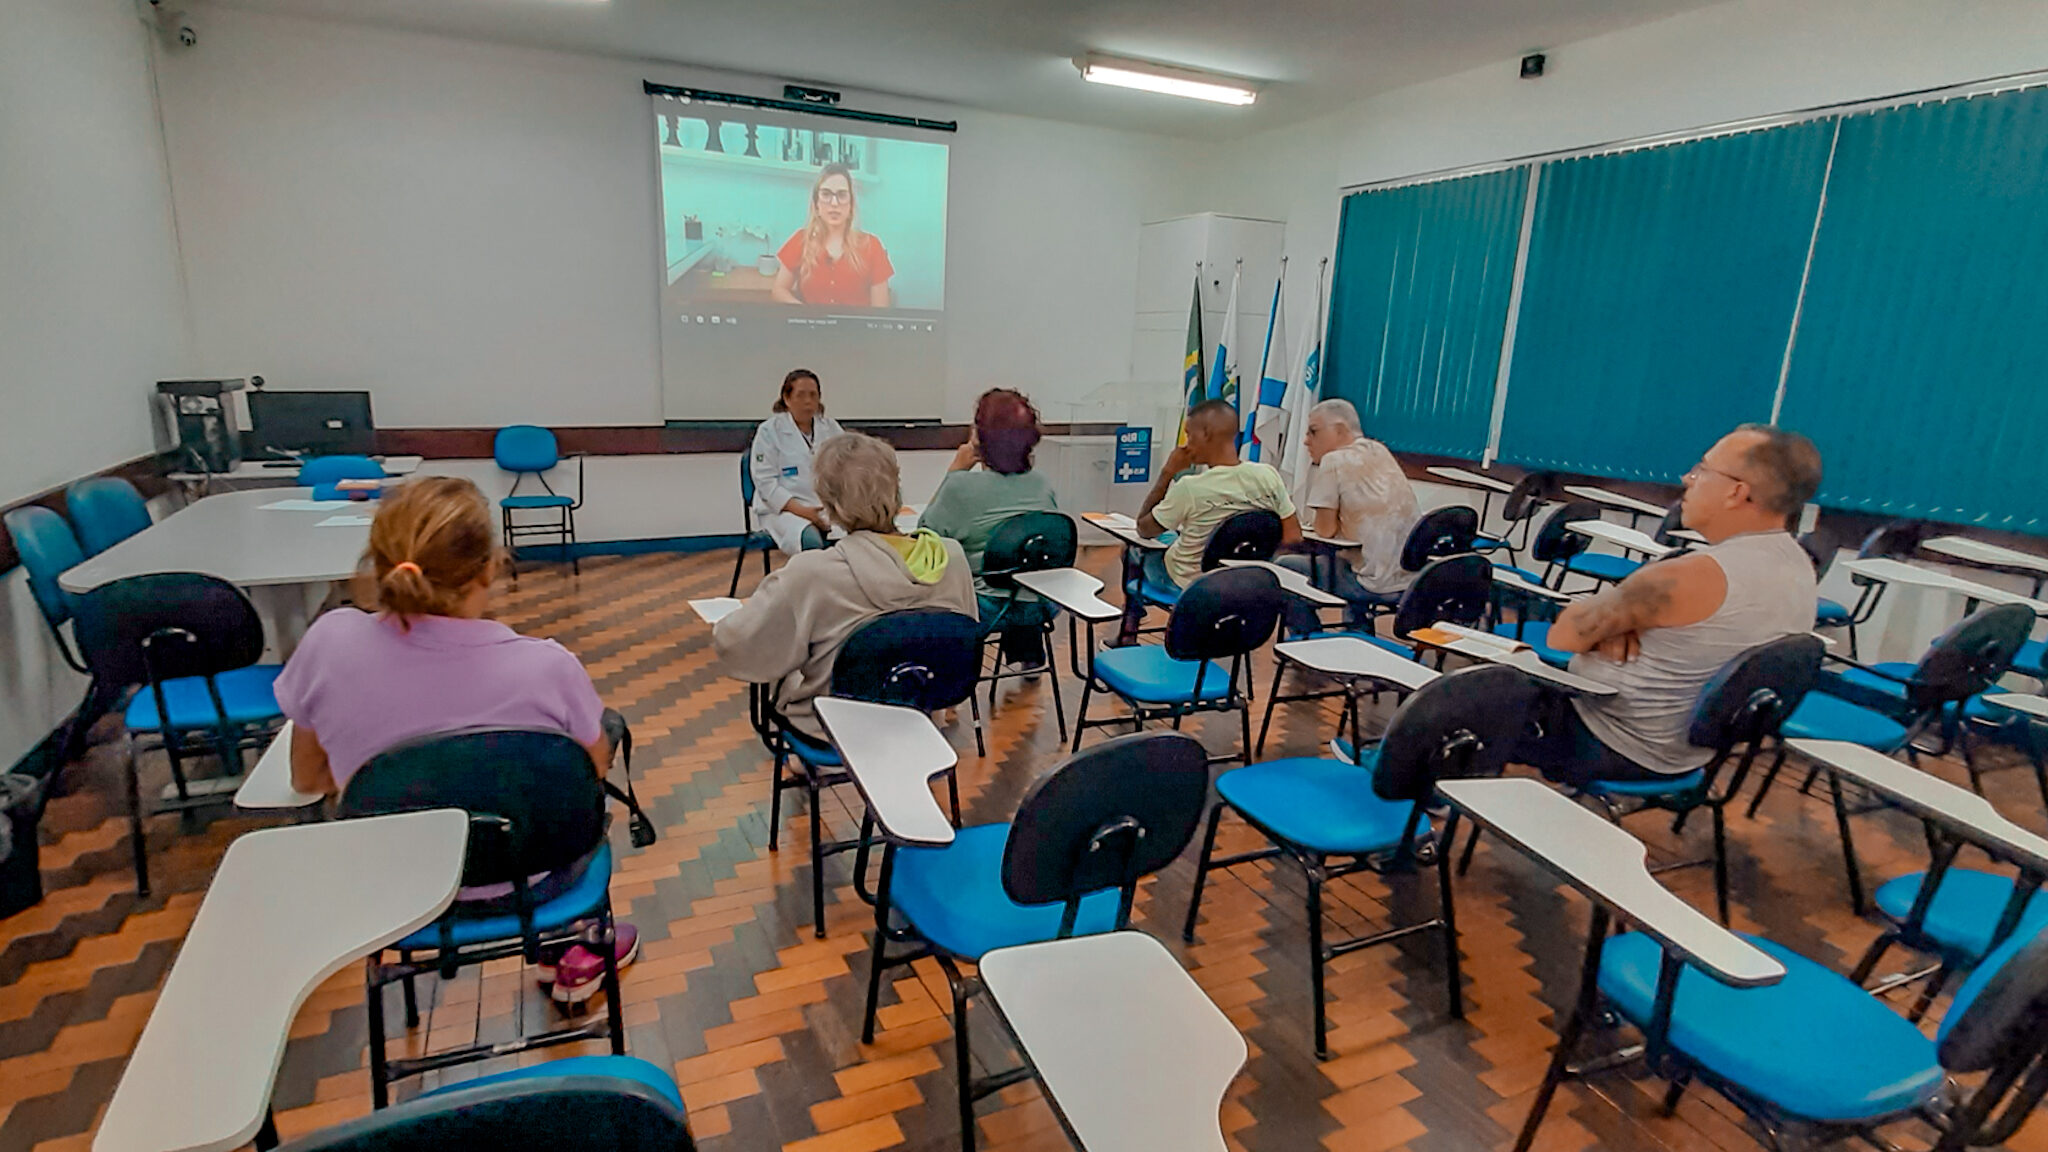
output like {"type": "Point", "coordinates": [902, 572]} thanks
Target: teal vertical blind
{"type": "Point", "coordinates": [1418, 302]}
{"type": "Point", "coordinates": [1921, 362]}
{"type": "Point", "coordinates": [1658, 296]}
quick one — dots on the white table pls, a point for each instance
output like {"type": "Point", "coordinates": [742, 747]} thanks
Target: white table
{"type": "Point", "coordinates": [254, 474]}
{"type": "Point", "coordinates": [1612, 499]}
{"type": "Point", "coordinates": [1133, 1055]}
{"type": "Point", "coordinates": [1073, 590]}
{"type": "Point", "coordinates": [1627, 539]}
{"type": "Point", "coordinates": [892, 753]}
{"type": "Point", "coordinates": [287, 909]}
{"type": "Point", "coordinates": [269, 784]}
{"type": "Point", "coordinates": [1465, 479]}
{"type": "Point", "coordinates": [1293, 583]}
{"type": "Point", "coordinates": [1124, 529]}
{"type": "Point", "coordinates": [233, 536]}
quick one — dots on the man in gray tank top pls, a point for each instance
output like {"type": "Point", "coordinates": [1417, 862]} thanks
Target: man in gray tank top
{"type": "Point", "coordinates": [1659, 636]}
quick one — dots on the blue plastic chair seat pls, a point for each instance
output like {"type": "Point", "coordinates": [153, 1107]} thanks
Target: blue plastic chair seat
{"type": "Point", "coordinates": [1813, 1045]}
{"type": "Point", "coordinates": [1322, 805]}
{"type": "Point", "coordinates": [1524, 573]}
{"type": "Point", "coordinates": [249, 696]}
{"type": "Point", "coordinates": [1602, 565]}
{"type": "Point", "coordinates": [815, 753]}
{"type": "Point", "coordinates": [1668, 786]}
{"type": "Point", "coordinates": [610, 1067]}
{"type": "Point", "coordinates": [1824, 717]}
{"type": "Point", "coordinates": [2032, 659]}
{"type": "Point", "coordinates": [535, 501]}
{"type": "Point", "coordinates": [1858, 679]}
{"type": "Point", "coordinates": [1978, 708]}
{"type": "Point", "coordinates": [578, 902]}
{"type": "Point", "coordinates": [1536, 634]}
{"type": "Point", "coordinates": [1161, 595]}
{"type": "Point", "coordinates": [1487, 543]}
{"type": "Point", "coordinates": [1966, 909]}
{"type": "Point", "coordinates": [1145, 673]}
{"type": "Point", "coordinates": [1830, 613]}
{"type": "Point", "coordinates": [954, 896]}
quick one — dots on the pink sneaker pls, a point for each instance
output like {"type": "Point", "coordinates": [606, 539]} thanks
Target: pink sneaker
{"type": "Point", "coordinates": [580, 972]}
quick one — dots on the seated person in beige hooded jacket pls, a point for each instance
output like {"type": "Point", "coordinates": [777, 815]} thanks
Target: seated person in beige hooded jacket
{"type": "Point", "coordinates": [789, 631]}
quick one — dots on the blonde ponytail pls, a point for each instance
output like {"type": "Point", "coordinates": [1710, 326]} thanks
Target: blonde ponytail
{"type": "Point", "coordinates": [430, 543]}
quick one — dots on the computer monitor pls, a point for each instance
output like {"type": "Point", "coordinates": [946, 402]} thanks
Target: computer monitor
{"type": "Point", "coordinates": [313, 423]}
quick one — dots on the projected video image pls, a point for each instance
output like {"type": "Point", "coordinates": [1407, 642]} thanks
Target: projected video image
{"type": "Point", "coordinates": [757, 211]}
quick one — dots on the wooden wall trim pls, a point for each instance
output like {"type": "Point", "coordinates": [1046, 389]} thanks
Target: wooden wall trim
{"type": "Point", "coordinates": [643, 440]}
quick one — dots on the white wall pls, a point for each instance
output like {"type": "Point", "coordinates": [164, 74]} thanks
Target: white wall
{"type": "Point", "coordinates": [91, 312]}
{"type": "Point", "coordinates": [1711, 66]}
{"type": "Point", "coordinates": [470, 230]}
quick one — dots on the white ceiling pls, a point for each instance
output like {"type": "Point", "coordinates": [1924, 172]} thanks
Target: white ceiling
{"type": "Point", "coordinates": [1311, 55]}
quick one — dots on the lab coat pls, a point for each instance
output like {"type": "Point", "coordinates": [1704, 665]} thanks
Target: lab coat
{"type": "Point", "coordinates": [780, 461]}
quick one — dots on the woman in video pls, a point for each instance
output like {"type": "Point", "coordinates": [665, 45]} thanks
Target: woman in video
{"type": "Point", "coordinates": [831, 263]}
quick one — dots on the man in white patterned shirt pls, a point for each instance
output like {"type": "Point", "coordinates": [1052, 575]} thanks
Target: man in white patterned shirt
{"type": "Point", "coordinates": [1357, 492]}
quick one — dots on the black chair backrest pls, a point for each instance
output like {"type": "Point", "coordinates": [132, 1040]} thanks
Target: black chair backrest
{"type": "Point", "coordinates": [1893, 538]}
{"type": "Point", "coordinates": [1455, 589]}
{"type": "Point", "coordinates": [922, 658]}
{"type": "Point", "coordinates": [1526, 496]}
{"type": "Point", "coordinates": [172, 624]}
{"type": "Point", "coordinates": [1028, 542]}
{"type": "Point", "coordinates": [1106, 818]}
{"type": "Point", "coordinates": [1674, 519]}
{"type": "Point", "coordinates": [746, 484]}
{"type": "Point", "coordinates": [533, 797]}
{"type": "Point", "coordinates": [613, 1112]}
{"type": "Point", "coordinates": [1462, 724]}
{"type": "Point", "coordinates": [2006, 1007]}
{"type": "Point", "coordinates": [1440, 532]}
{"type": "Point", "coordinates": [1969, 657]}
{"type": "Point", "coordinates": [1253, 534]}
{"type": "Point", "coordinates": [1816, 551]}
{"type": "Point", "coordinates": [1554, 542]}
{"type": "Point", "coordinates": [1752, 694]}
{"type": "Point", "coordinates": [1225, 613]}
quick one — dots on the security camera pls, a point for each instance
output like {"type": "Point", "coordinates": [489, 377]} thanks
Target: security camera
{"type": "Point", "coordinates": [172, 27]}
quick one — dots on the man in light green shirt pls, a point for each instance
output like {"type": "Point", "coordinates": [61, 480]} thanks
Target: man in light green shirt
{"type": "Point", "coordinates": [1194, 506]}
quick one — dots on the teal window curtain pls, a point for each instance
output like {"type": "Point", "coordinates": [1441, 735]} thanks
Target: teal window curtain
{"type": "Point", "coordinates": [1921, 363]}
{"type": "Point", "coordinates": [1418, 302]}
{"type": "Point", "coordinates": [1659, 294]}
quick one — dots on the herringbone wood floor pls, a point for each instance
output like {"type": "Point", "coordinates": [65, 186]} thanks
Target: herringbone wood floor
{"type": "Point", "coordinates": [760, 1022]}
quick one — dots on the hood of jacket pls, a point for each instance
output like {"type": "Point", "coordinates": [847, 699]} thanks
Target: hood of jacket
{"type": "Point", "coordinates": [878, 569]}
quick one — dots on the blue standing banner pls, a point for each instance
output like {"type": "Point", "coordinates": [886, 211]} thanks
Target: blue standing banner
{"type": "Point", "coordinates": [1133, 455]}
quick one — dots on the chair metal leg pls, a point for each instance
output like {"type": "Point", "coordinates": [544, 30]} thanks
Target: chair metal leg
{"type": "Point", "coordinates": [1453, 974]}
{"type": "Point", "coordinates": [1720, 863]}
{"type": "Point", "coordinates": [1272, 698]}
{"type": "Point", "coordinates": [412, 1002]}
{"type": "Point", "coordinates": [575, 561]}
{"type": "Point", "coordinates": [1244, 720]}
{"type": "Point", "coordinates": [373, 997]}
{"type": "Point", "coordinates": [817, 855]}
{"type": "Point", "coordinates": [1081, 713]}
{"type": "Point", "coordinates": [1770, 778]}
{"type": "Point", "coordinates": [1568, 1036]}
{"type": "Point", "coordinates": [952, 795]}
{"type": "Point", "coordinates": [1471, 845]}
{"type": "Point", "coordinates": [1928, 992]}
{"type": "Point", "coordinates": [1855, 873]}
{"type": "Point", "coordinates": [614, 1011]}
{"type": "Point", "coordinates": [980, 741]}
{"type": "Point", "coordinates": [1187, 931]}
{"type": "Point", "coordinates": [135, 838]}
{"type": "Point", "coordinates": [962, 1059]}
{"type": "Point", "coordinates": [1059, 708]}
{"type": "Point", "coordinates": [1316, 959]}
{"type": "Point", "coordinates": [738, 562]}
{"type": "Point", "coordinates": [775, 802]}
{"type": "Point", "coordinates": [1675, 1092]}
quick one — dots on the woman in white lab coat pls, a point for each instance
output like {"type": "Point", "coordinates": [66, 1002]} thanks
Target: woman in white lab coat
{"type": "Point", "coordinates": [785, 503]}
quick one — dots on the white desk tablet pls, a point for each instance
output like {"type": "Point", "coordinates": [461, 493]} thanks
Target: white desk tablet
{"type": "Point", "coordinates": [1970, 816]}
{"type": "Point", "coordinates": [234, 537]}
{"type": "Point", "coordinates": [1328, 541]}
{"type": "Point", "coordinates": [1625, 538]}
{"type": "Point", "coordinates": [1123, 528]}
{"type": "Point", "coordinates": [2025, 703]}
{"type": "Point", "coordinates": [1073, 590]}
{"type": "Point", "coordinates": [287, 909]}
{"type": "Point", "coordinates": [1467, 479]}
{"type": "Point", "coordinates": [1607, 864]}
{"type": "Point", "coordinates": [892, 753]}
{"type": "Point", "coordinates": [1988, 555]}
{"type": "Point", "coordinates": [715, 608]}
{"type": "Point", "coordinates": [1885, 570]}
{"type": "Point", "coordinates": [1293, 583]}
{"type": "Point", "coordinates": [269, 784]}
{"type": "Point", "coordinates": [1509, 651]}
{"type": "Point", "coordinates": [1614, 500]}
{"type": "Point", "coordinates": [1514, 583]}
{"type": "Point", "coordinates": [1346, 656]}
{"type": "Point", "coordinates": [1133, 1055]}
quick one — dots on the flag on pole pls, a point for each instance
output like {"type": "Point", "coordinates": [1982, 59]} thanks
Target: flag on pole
{"type": "Point", "coordinates": [1192, 374]}
{"type": "Point", "coordinates": [1265, 422]}
{"type": "Point", "coordinates": [1304, 381]}
{"type": "Point", "coordinates": [1223, 373]}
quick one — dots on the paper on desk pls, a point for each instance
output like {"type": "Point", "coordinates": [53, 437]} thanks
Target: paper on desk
{"type": "Point", "coordinates": [1467, 642]}
{"type": "Point", "coordinates": [346, 520]}
{"type": "Point", "coordinates": [298, 505]}
{"type": "Point", "coordinates": [715, 608]}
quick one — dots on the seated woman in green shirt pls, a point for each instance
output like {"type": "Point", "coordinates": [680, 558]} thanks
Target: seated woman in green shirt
{"type": "Point", "coordinates": [971, 501]}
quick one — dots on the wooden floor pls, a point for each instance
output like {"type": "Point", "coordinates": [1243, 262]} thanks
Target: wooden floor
{"type": "Point", "coordinates": [761, 1022]}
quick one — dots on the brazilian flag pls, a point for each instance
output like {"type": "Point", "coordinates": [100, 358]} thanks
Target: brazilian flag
{"type": "Point", "coordinates": [1193, 379]}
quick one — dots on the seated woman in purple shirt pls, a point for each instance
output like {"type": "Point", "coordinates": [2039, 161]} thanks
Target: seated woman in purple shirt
{"type": "Point", "coordinates": [428, 661]}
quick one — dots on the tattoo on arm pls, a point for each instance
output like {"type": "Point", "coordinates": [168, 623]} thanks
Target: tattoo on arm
{"type": "Point", "coordinates": [1633, 605]}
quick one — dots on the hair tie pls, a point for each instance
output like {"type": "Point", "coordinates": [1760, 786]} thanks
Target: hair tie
{"type": "Point", "coordinates": [409, 564]}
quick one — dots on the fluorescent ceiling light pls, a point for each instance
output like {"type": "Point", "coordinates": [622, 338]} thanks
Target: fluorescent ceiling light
{"type": "Point", "coordinates": [1099, 69]}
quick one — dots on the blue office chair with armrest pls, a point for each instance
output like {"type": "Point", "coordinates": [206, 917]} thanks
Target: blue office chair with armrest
{"type": "Point", "coordinates": [617, 1103]}
{"type": "Point", "coordinates": [1068, 864]}
{"type": "Point", "coordinates": [1253, 534]}
{"type": "Point", "coordinates": [1817, 1056]}
{"type": "Point", "coordinates": [922, 658]}
{"type": "Point", "coordinates": [192, 642]}
{"type": "Point", "coordinates": [1026, 542]}
{"type": "Point", "coordinates": [1225, 615]}
{"type": "Point", "coordinates": [530, 450]}
{"type": "Point", "coordinates": [1739, 710]}
{"type": "Point", "coordinates": [107, 510]}
{"type": "Point", "coordinates": [536, 805]}
{"type": "Point", "coordinates": [750, 536]}
{"type": "Point", "coordinates": [1438, 533]}
{"type": "Point", "coordinates": [48, 548]}
{"type": "Point", "coordinates": [1519, 509]}
{"type": "Point", "coordinates": [1374, 812]}
{"type": "Point", "coordinates": [1554, 544]}
{"type": "Point", "coordinates": [324, 474]}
